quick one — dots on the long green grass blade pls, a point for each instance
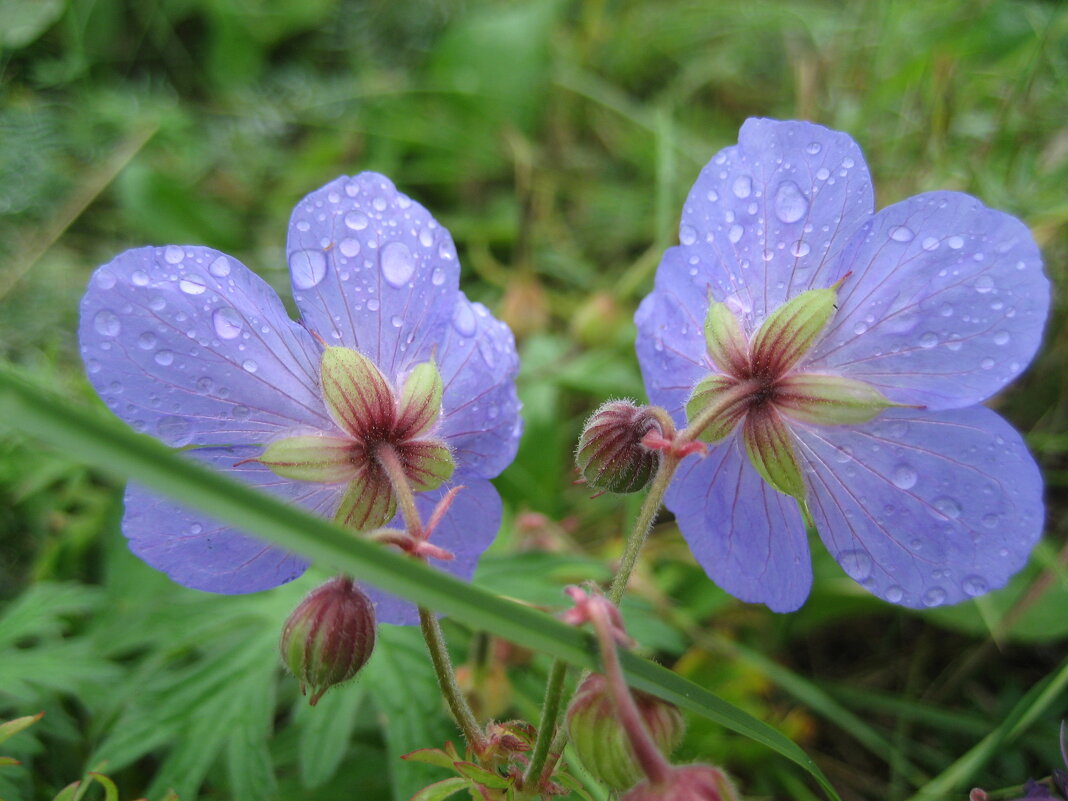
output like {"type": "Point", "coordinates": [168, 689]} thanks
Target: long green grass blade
{"type": "Point", "coordinates": [116, 448]}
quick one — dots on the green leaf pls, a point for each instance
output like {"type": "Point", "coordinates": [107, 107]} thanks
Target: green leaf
{"type": "Point", "coordinates": [22, 21]}
{"type": "Point", "coordinates": [441, 790]}
{"type": "Point", "coordinates": [111, 792]}
{"type": "Point", "coordinates": [13, 727]}
{"type": "Point", "coordinates": [113, 446]}
{"type": "Point", "coordinates": [325, 732]}
{"type": "Point", "coordinates": [431, 756]}
{"type": "Point", "coordinates": [479, 775]}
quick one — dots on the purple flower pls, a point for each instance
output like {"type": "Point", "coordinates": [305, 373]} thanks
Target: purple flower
{"type": "Point", "coordinates": [835, 358]}
{"type": "Point", "coordinates": [189, 345]}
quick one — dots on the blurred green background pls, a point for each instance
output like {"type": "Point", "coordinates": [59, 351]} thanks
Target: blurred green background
{"type": "Point", "coordinates": [556, 140]}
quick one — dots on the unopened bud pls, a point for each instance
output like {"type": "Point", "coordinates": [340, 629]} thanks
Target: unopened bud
{"type": "Point", "coordinates": [686, 783]}
{"type": "Point", "coordinates": [329, 636]}
{"type": "Point", "coordinates": [599, 739]}
{"type": "Point", "coordinates": [610, 452]}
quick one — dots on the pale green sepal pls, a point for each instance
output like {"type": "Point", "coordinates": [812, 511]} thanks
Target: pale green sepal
{"type": "Point", "coordinates": [327, 460]}
{"type": "Point", "coordinates": [356, 393]}
{"type": "Point", "coordinates": [725, 340]}
{"type": "Point", "coordinates": [769, 445]}
{"type": "Point", "coordinates": [420, 402]}
{"type": "Point", "coordinates": [829, 399]}
{"type": "Point", "coordinates": [428, 464]}
{"type": "Point", "coordinates": [715, 406]}
{"type": "Point", "coordinates": [791, 330]}
{"type": "Point", "coordinates": [369, 502]}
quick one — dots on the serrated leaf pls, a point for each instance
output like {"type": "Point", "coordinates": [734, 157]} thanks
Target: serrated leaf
{"type": "Point", "coordinates": [441, 790]}
{"type": "Point", "coordinates": [430, 756]}
{"type": "Point", "coordinates": [481, 776]}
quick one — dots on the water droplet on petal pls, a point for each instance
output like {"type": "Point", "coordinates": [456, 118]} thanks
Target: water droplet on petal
{"type": "Point", "coordinates": [948, 507]}
{"type": "Point", "coordinates": [984, 284]}
{"type": "Point", "coordinates": [955, 242]}
{"type": "Point", "coordinates": [107, 323]}
{"type": "Point", "coordinates": [712, 196]}
{"type": "Point", "coordinates": [426, 237]}
{"type": "Point", "coordinates": [193, 285]}
{"type": "Point", "coordinates": [974, 585]}
{"type": "Point", "coordinates": [848, 162]}
{"type": "Point", "coordinates": [742, 187]}
{"type": "Point", "coordinates": [928, 340]}
{"type": "Point", "coordinates": [105, 279]}
{"type": "Point", "coordinates": [397, 263]}
{"type": "Point", "coordinates": [901, 233]}
{"type": "Point", "coordinates": [349, 247]}
{"type": "Point", "coordinates": [823, 174]}
{"type": "Point", "coordinates": [173, 254]}
{"type": "Point", "coordinates": [437, 278]}
{"type": "Point", "coordinates": [1001, 338]}
{"type": "Point", "coordinates": [790, 203]}
{"type": "Point", "coordinates": [935, 596]}
{"type": "Point", "coordinates": [987, 363]}
{"type": "Point", "coordinates": [163, 358]}
{"type": "Point", "coordinates": [139, 278]}
{"type": "Point", "coordinates": [373, 304]}
{"type": "Point", "coordinates": [813, 148]}
{"type": "Point", "coordinates": [894, 594]}
{"type": "Point", "coordinates": [904, 477]}
{"type": "Point", "coordinates": [175, 431]}
{"type": "Point", "coordinates": [227, 322]}
{"type": "Point", "coordinates": [856, 564]}
{"type": "Point", "coordinates": [220, 268]}
{"type": "Point", "coordinates": [735, 233]}
{"type": "Point", "coordinates": [463, 318]}
{"type": "Point", "coordinates": [147, 341]}
{"type": "Point", "coordinates": [307, 268]}
{"type": "Point", "coordinates": [687, 235]}
{"type": "Point", "coordinates": [250, 366]}
{"type": "Point", "coordinates": [396, 321]}
{"type": "Point", "coordinates": [356, 220]}
{"type": "Point", "coordinates": [800, 249]}
{"type": "Point", "coordinates": [930, 243]}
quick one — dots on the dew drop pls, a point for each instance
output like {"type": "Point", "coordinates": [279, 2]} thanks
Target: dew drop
{"type": "Point", "coordinates": [935, 596]}
{"type": "Point", "coordinates": [250, 366]}
{"type": "Point", "coordinates": [163, 358]}
{"type": "Point", "coordinates": [742, 187]}
{"type": "Point", "coordinates": [947, 507]}
{"type": "Point", "coordinates": [227, 322]}
{"type": "Point", "coordinates": [157, 303]}
{"type": "Point", "coordinates": [396, 321]}
{"type": "Point", "coordinates": [240, 413]}
{"type": "Point", "coordinates": [356, 220]}
{"type": "Point", "coordinates": [800, 249]}
{"type": "Point", "coordinates": [987, 363]}
{"type": "Point", "coordinates": [928, 340]}
{"type": "Point", "coordinates": [904, 477]}
{"type": "Point", "coordinates": [220, 268]}
{"type": "Point", "coordinates": [856, 564]}
{"type": "Point", "coordinates": [107, 323]}
{"type": "Point", "coordinates": [139, 278]}
{"type": "Point", "coordinates": [426, 237]}
{"type": "Point", "coordinates": [147, 341]}
{"type": "Point", "coordinates": [930, 243]}
{"type": "Point", "coordinates": [848, 162]}
{"type": "Point", "coordinates": [192, 285]}
{"type": "Point", "coordinates": [955, 242]}
{"type": "Point", "coordinates": [790, 202]}
{"type": "Point", "coordinates": [823, 174]}
{"type": "Point", "coordinates": [974, 585]}
{"type": "Point", "coordinates": [373, 304]}
{"type": "Point", "coordinates": [894, 594]}
{"type": "Point", "coordinates": [397, 264]}
{"type": "Point", "coordinates": [735, 233]}
{"type": "Point", "coordinates": [307, 267]}
{"type": "Point", "coordinates": [173, 254]}
{"type": "Point", "coordinates": [175, 431]}
{"type": "Point", "coordinates": [205, 384]}
{"type": "Point", "coordinates": [984, 284]}
{"type": "Point", "coordinates": [813, 148]}
{"type": "Point", "coordinates": [105, 279]}
{"type": "Point", "coordinates": [687, 234]}
{"type": "Point", "coordinates": [463, 318]}
{"type": "Point", "coordinates": [712, 196]}
{"type": "Point", "coordinates": [349, 247]}
{"type": "Point", "coordinates": [1001, 338]}
{"type": "Point", "coordinates": [901, 233]}
{"type": "Point", "coordinates": [946, 310]}
{"type": "Point", "coordinates": [379, 203]}
{"type": "Point", "coordinates": [990, 521]}
{"type": "Point", "coordinates": [437, 278]}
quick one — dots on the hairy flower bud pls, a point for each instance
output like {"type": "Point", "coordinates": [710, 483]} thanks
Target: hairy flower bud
{"type": "Point", "coordinates": [600, 741]}
{"type": "Point", "coordinates": [610, 452]}
{"type": "Point", "coordinates": [686, 783]}
{"type": "Point", "coordinates": [329, 636]}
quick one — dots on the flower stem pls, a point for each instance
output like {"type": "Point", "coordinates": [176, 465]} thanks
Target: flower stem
{"type": "Point", "coordinates": [454, 697]}
{"type": "Point", "coordinates": [550, 712]}
{"type": "Point", "coordinates": [428, 622]}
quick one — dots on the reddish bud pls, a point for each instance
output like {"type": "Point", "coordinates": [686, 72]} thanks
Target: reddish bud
{"type": "Point", "coordinates": [329, 636]}
{"type": "Point", "coordinates": [599, 739]}
{"type": "Point", "coordinates": [686, 783]}
{"type": "Point", "coordinates": [610, 453]}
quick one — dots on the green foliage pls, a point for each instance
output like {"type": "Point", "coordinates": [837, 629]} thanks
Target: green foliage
{"type": "Point", "coordinates": [556, 140]}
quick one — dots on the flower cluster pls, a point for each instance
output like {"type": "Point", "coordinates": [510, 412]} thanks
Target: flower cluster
{"type": "Point", "coordinates": [391, 361]}
{"type": "Point", "coordinates": [835, 358]}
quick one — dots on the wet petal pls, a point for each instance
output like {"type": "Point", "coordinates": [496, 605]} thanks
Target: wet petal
{"type": "Point", "coordinates": [749, 538]}
{"type": "Point", "coordinates": [945, 306]}
{"type": "Point", "coordinates": [480, 409]}
{"type": "Point", "coordinates": [767, 218]}
{"type": "Point", "coordinates": [189, 345]}
{"type": "Point", "coordinates": [372, 270]}
{"type": "Point", "coordinates": [203, 554]}
{"type": "Point", "coordinates": [467, 530]}
{"type": "Point", "coordinates": [924, 508]}
{"type": "Point", "coordinates": [671, 343]}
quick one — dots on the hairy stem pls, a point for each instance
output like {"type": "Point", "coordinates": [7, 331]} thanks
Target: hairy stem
{"type": "Point", "coordinates": [550, 713]}
{"type": "Point", "coordinates": [428, 622]}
